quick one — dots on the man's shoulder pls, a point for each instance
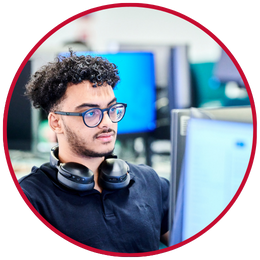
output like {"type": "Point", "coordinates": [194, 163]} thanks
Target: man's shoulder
{"type": "Point", "coordinates": [147, 174]}
{"type": "Point", "coordinates": [137, 169]}
{"type": "Point", "coordinates": [38, 177]}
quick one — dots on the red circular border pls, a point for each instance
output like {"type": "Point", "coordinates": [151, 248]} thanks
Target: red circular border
{"type": "Point", "coordinates": [159, 8]}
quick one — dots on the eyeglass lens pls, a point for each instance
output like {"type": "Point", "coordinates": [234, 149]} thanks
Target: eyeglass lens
{"type": "Point", "coordinates": [94, 116]}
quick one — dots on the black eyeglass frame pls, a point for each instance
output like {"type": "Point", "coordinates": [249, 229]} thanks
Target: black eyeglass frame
{"type": "Point", "coordinates": [102, 113]}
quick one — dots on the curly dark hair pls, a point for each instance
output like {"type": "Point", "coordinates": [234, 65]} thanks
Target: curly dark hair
{"type": "Point", "coordinates": [46, 87]}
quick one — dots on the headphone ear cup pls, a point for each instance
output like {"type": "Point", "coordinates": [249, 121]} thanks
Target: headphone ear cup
{"type": "Point", "coordinates": [76, 176]}
{"type": "Point", "coordinates": [54, 161]}
{"type": "Point", "coordinates": [72, 175]}
{"type": "Point", "coordinates": [113, 174]}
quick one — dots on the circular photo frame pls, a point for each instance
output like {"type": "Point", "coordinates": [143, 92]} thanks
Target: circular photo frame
{"type": "Point", "coordinates": [233, 89]}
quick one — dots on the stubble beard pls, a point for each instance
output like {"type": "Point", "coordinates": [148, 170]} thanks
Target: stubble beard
{"type": "Point", "coordinates": [77, 144]}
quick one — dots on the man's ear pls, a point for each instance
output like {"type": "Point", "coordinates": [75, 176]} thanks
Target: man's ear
{"type": "Point", "coordinates": [55, 123]}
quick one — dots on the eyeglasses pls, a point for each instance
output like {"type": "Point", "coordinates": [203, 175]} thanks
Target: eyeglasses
{"type": "Point", "coordinates": [93, 117]}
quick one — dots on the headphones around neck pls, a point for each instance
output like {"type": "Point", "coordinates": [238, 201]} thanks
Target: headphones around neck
{"type": "Point", "coordinates": [113, 173]}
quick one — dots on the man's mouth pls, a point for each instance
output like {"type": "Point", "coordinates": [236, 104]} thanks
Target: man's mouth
{"type": "Point", "coordinates": [105, 136]}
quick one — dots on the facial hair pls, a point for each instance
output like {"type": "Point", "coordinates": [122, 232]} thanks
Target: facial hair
{"type": "Point", "coordinates": [77, 144]}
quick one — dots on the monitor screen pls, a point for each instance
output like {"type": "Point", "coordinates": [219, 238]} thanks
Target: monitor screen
{"type": "Point", "coordinates": [216, 157]}
{"type": "Point", "coordinates": [136, 88]}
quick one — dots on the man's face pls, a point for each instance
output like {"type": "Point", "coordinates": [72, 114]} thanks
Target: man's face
{"type": "Point", "coordinates": [84, 141]}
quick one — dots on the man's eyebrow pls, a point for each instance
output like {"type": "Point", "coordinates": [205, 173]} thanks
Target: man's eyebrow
{"type": "Point", "coordinates": [93, 105]}
{"type": "Point", "coordinates": [86, 105]}
{"type": "Point", "coordinates": [112, 101]}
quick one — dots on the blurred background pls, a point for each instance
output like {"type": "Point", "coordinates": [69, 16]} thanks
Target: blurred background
{"type": "Point", "coordinates": [175, 79]}
{"type": "Point", "coordinates": [164, 62]}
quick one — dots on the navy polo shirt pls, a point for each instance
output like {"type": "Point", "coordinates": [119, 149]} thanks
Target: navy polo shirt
{"type": "Point", "coordinates": [129, 220]}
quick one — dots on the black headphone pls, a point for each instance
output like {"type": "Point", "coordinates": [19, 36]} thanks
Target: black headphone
{"type": "Point", "coordinates": [113, 173]}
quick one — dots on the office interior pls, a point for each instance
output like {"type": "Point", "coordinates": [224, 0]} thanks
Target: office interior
{"type": "Point", "coordinates": [190, 71]}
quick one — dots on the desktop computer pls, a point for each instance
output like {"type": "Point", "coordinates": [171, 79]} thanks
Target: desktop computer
{"type": "Point", "coordinates": [211, 149]}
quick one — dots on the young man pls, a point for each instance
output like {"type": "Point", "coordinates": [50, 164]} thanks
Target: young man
{"type": "Point", "coordinates": [103, 203]}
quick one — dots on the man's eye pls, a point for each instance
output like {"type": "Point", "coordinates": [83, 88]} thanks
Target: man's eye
{"type": "Point", "coordinates": [112, 109]}
{"type": "Point", "coordinates": [91, 114]}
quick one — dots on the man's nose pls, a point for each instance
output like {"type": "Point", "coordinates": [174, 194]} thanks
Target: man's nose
{"type": "Point", "coordinates": [106, 121]}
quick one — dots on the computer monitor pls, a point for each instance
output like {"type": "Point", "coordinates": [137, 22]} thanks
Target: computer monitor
{"type": "Point", "coordinates": [179, 87]}
{"type": "Point", "coordinates": [19, 115]}
{"type": "Point", "coordinates": [179, 123]}
{"type": "Point", "coordinates": [208, 164]}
